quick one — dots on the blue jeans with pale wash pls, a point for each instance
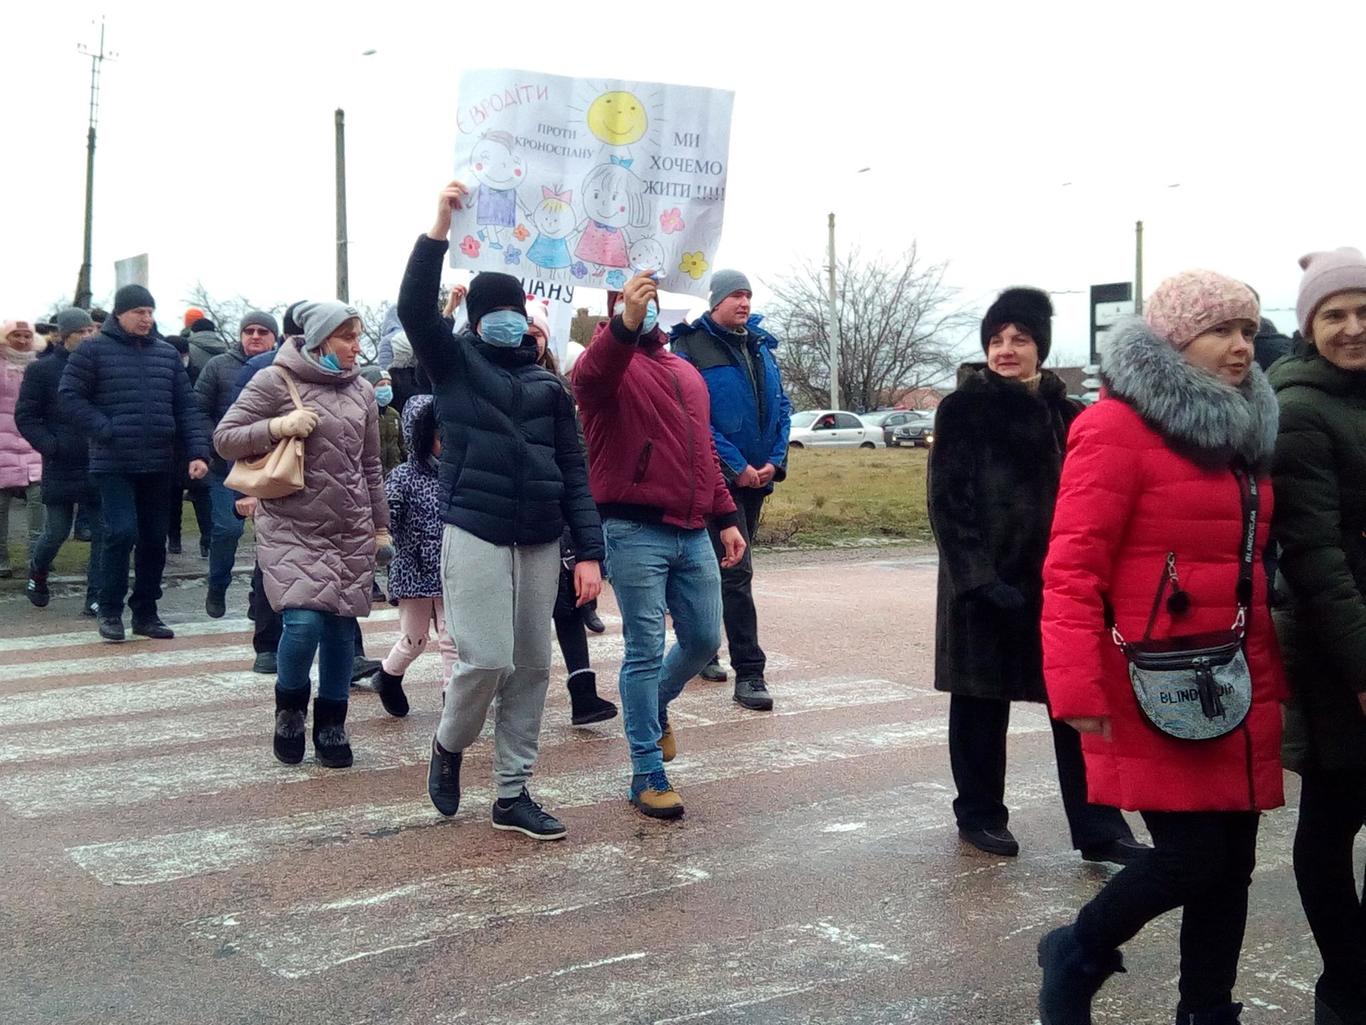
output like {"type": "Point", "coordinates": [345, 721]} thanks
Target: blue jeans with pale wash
{"type": "Point", "coordinates": [657, 570]}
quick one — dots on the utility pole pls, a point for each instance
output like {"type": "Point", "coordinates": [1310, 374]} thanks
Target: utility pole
{"type": "Point", "coordinates": [83, 294]}
{"type": "Point", "coordinates": [343, 273]}
{"type": "Point", "coordinates": [1138, 268]}
{"type": "Point", "coordinates": [834, 326]}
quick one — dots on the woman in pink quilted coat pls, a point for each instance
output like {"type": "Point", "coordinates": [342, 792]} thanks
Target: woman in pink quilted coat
{"type": "Point", "coordinates": [21, 468]}
{"type": "Point", "coordinates": [317, 547]}
{"type": "Point", "coordinates": [1149, 529]}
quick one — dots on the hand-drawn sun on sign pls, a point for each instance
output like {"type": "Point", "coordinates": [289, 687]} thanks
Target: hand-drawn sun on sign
{"type": "Point", "coordinates": [620, 118]}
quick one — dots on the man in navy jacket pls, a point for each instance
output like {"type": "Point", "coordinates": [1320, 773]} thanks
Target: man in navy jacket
{"type": "Point", "coordinates": [128, 391]}
{"type": "Point", "coordinates": [750, 418]}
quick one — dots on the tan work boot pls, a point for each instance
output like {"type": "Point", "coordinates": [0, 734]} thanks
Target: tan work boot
{"type": "Point", "coordinates": [656, 797]}
{"type": "Point", "coordinates": [668, 745]}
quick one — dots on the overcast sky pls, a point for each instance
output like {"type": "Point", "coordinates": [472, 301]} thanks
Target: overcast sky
{"type": "Point", "coordinates": [215, 148]}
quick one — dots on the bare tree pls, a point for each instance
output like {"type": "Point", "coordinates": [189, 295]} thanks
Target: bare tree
{"type": "Point", "coordinates": [899, 326]}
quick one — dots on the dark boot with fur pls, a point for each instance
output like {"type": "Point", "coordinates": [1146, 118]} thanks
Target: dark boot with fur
{"type": "Point", "coordinates": [584, 704]}
{"type": "Point", "coordinates": [331, 745]}
{"type": "Point", "coordinates": [391, 696]}
{"type": "Point", "coordinates": [1071, 977]}
{"type": "Point", "coordinates": [291, 709]}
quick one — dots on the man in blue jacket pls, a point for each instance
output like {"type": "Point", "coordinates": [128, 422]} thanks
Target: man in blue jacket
{"type": "Point", "coordinates": [128, 391]}
{"type": "Point", "coordinates": [750, 418]}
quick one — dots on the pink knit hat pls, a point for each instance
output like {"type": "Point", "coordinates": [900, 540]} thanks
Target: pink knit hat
{"type": "Point", "coordinates": [1326, 275]}
{"type": "Point", "coordinates": [538, 316]}
{"type": "Point", "coordinates": [1188, 304]}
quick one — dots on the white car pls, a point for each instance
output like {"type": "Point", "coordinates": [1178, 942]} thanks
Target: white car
{"type": "Point", "coordinates": [817, 428]}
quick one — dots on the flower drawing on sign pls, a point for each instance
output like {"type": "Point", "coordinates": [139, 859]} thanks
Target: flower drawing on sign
{"type": "Point", "coordinates": [469, 245]}
{"type": "Point", "coordinates": [579, 270]}
{"type": "Point", "coordinates": [520, 233]}
{"type": "Point", "coordinates": [512, 255]}
{"type": "Point", "coordinates": [671, 221]}
{"type": "Point", "coordinates": [694, 264]}
{"type": "Point", "coordinates": [615, 279]}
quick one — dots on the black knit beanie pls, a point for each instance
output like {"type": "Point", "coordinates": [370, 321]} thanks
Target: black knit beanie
{"type": "Point", "coordinates": [291, 325]}
{"type": "Point", "coordinates": [490, 290]}
{"type": "Point", "coordinates": [1028, 309]}
{"type": "Point", "coordinates": [132, 297]}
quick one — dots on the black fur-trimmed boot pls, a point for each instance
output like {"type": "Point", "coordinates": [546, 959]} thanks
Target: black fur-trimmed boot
{"type": "Point", "coordinates": [584, 704]}
{"type": "Point", "coordinates": [1229, 1014]}
{"type": "Point", "coordinates": [391, 696]}
{"type": "Point", "coordinates": [331, 745]}
{"type": "Point", "coordinates": [1071, 977]}
{"type": "Point", "coordinates": [291, 709]}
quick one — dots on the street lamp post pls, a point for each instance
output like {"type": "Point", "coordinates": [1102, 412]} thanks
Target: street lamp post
{"type": "Point", "coordinates": [343, 263]}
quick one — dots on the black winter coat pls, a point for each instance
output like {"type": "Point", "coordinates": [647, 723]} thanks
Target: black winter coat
{"type": "Point", "coordinates": [216, 387]}
{"type": "Point", "coordinates": [993, 481]}
{"type": "Point", "coordinates": [46, 424]}
{"type": "Point", "coordinates": [132, 398]}
{"type": "Point", "coordinates": [512, 469]}
{"type": "Point", "coordinates": [1319, 474]}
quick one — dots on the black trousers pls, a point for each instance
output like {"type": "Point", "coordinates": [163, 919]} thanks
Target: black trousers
{"type": "Point", "coordinates": [977, 755]}
{"type": "Point", "coordinates": [267, 624]}
{"type": "Point", "coordinates": [569, 628]}
{"type": "Point", "coordinates": [201, 500]}
{"type": "Point", "coordinates": [135, 512]}
{"type": "Point", "coordinates": [737, 597]}
{"type": "Point", "coordinates": [1202, 863]}
{"type": "Point", "coordinates": [1332, 808]}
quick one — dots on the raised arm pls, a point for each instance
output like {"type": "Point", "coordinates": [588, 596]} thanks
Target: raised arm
{"type": "Point", "coordinates": [436, 350]}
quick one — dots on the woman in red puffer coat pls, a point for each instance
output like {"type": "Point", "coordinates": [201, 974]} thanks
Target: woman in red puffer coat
{"type": "Point", "coordinates": [1151, 505]}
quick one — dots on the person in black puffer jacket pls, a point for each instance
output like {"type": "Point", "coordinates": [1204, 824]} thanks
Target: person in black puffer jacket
{"type": "Point", "coordinates": [66, 458]}
{"type": "Point", "coordinates": [128, 391]}
{"type": "Point", "coordinates": [512, 475]}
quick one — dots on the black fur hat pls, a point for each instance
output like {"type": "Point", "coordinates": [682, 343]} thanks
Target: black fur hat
{"type": "Point", "coordinates": [1028, 309]}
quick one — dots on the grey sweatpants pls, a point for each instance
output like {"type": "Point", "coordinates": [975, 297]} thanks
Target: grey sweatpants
{"type": "Point", "coordinates": [498, 604]}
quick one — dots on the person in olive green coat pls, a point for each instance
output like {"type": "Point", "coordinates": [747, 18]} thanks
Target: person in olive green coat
{"type": "Point", "coordinates": [1320, 484]}
{"type": "Point", "coordinates": [392, 451]}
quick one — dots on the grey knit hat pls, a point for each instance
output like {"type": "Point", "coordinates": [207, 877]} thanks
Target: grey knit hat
{"type": "Point", "coordinates": [259, 318]}
{"type": "Point", "coordinates": [725, 283]}
{"type": "Point", "coordinates": [71, 320]}
{"type": "Point", "coordinates": [318, 320]}
{"type": "Point", "coordinates": [374, 374]}
{"type": "Point", "coordinates": [1326, 275]}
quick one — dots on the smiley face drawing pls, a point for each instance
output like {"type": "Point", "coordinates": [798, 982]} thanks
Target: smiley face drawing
{"type": "Point", "coordinates": [617, 118]}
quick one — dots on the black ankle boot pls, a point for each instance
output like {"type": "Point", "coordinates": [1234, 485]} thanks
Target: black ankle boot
{"type": "Point", "coordinates": [331, 745]}
{"type": "Point", "coordinates": [291, 708]}
{"type": "Point", "coordinates": [585, 705]}
{"type": "Point", "coordinates": [1071, 977]}
{"type": "Point", "coordinates": [391, 696]}
{"type": "Point", "coordinates": [1229, 1014]}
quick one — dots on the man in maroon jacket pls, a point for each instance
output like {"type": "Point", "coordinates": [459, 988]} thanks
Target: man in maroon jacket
{"type": "Point", "coordinates": [653, 471]}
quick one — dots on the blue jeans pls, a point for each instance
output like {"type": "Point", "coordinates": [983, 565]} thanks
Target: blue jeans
{"type": "Point", "coordinates": [227, 531]}
{"type": "Point", "coordinates": [657, 570]}
{"type": "Point", "coordinates": [135, 513]}
{"type": "Point", "coordinates": [55, 530]}
{"type": "Point", "coordinates": [331, 637]}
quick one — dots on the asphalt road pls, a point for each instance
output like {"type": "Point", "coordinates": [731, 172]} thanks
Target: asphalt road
{"type": "Point", "coordinates": [161, 867]}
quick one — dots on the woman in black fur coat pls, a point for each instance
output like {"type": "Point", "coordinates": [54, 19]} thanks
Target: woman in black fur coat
{"type": "Point", "coordinates": [998, 448]}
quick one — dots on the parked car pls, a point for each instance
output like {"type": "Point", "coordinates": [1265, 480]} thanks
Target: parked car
{"type": "Point", "coordinates": [890, 419]}
{"type": "Point", "coordinates": [917, 432]}
{"type": "Point", "coordinates": [819, 428]}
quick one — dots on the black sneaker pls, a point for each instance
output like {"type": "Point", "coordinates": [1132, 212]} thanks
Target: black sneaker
{"type": "Point", "coordinates": [37, 590]}
{"type": "Point", "coordinates": [713, 673]}
{"type": "Point", "coordinates": [203, 548]}
{"type": "Point", "coordinates": [152, 626]}
{"type": "Point", "coordinates": [91, 607]}
{"type": "Point", "coordinates": [1124, 850]}
{"type": "Point", "coordinates": [361, 667]}
{"type": "Point", "coordinates": [173, 547]}
{"type": "Point", "coordinates": [216, 603]}
{"type": "Point", "coordinates": [753, 693]}
{"type": "Point", "coordinates": [265, 663]}
{"type": "Point", "coordinates": [443, 779]}
{"type": "Point", "coordinates": [1000, 841]}
{"type": "Point", "coordinates": [111, 628]}
{"type": "Point", "coordinates": [525, 816]}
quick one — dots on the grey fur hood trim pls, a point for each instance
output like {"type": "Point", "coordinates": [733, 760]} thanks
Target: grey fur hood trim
{"type": "Point", "coordinates": [1202, 418]}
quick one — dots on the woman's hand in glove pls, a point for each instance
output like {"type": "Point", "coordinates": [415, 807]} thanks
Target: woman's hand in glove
{"type": "Point", "coordinates": [296, 424]}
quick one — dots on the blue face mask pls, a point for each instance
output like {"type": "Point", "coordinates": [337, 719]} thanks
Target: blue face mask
{"type": "Point", "coordinates": [651, 316]}
{"type": "Point", "coordinates": [384, 395]}
{"type": "Point", "coordinates": [504, 328]}
{"type": "Point", "coordinates": [330, 362]}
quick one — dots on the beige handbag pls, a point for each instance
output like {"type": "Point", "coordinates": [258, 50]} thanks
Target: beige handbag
{"type": "Point", "coordinates": [280, 471]}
